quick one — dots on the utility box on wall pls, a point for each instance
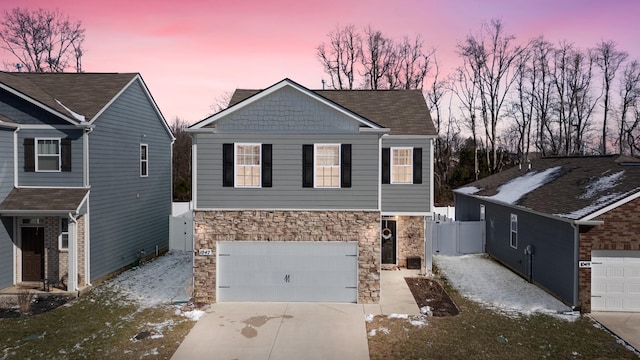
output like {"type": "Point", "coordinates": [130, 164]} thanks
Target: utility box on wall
{"type": "Point", "coordinates": [414, 262]}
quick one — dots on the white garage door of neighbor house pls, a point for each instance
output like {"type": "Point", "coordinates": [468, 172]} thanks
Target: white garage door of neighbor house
{"type": "Point", "coordinates": [615, 280]}
{"type": "Point", "coordinates": [287, 271]}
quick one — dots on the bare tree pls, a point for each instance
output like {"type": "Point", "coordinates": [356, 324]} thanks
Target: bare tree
{"type": "Point", "coordinates": [608, 59]}
{"type": "Point", "coordinates": [523, 106]}
{"type": "Point", "coordinates": [339, 57]}
{"type": "Point", "coordinates": [221, 102]}
{"type": "Point", "coordinates": [42, 40]}
{"type": "Point", "coordinates": [629, 95]}
{"type": "Point", "coordinates": [378, 57]}
{"type": "Point", "coordinates": [464, 85]}
{"type": "Point", "coordinates": [542, 89]}
{"type": "Point", "coordinates": [490, 55]}
{"type": "Point", "coordinates": [181, 161]}
{"type": "Point", "coordinates": [411, 65]}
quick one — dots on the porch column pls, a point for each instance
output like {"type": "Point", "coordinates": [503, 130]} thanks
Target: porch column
{"type": "Point", "coordinates": [72, 281]}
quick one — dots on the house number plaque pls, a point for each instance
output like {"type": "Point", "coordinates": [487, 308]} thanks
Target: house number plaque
{"type": "Point", "coordinates": [584, 264]}
{"type": "Point", "coordinates": [205, 252]}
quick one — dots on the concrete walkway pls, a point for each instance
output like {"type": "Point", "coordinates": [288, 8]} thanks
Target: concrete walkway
{"type": "Point", "coordinates": [624, 324]}
{"type": "Point", "coordinates": [272, 331]}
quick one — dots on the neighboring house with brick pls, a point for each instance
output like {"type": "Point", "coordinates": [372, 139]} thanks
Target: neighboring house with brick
{"type": "Point", "coordinates": [568, 224]}
{"type": "Point", "coordinates": [304, 195]}
{"type": "Point", "coordinates": [85, 176]}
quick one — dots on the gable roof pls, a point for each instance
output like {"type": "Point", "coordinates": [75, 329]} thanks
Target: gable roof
{"type": "Point", "coordinates": [404, 112]}
{"type": "Point", "coordinates": [574, 188]}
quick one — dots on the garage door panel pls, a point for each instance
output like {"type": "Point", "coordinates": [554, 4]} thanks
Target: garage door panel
{"type": "Point", "coordinates": [287, 271]}
{"type": "Point", "coordinates": [615, 280]}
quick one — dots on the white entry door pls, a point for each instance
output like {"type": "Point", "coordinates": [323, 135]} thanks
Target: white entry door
{"type": "Point", "coordinates": [287, 271]}
{"type": "Point", "coordinates": [615, 280]}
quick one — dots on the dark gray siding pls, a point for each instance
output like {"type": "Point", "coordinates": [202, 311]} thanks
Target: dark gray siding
{"type": "Point", "coordinates": [24, 112]}
{"type": "Point", "coordinates": [287, 191]}
{"type": "Point", "coordinates": [287, 110]}
{"type": "Point", "coordinates": [6, 223]}
{"type": "Point", "coordinates": [128, 213]}
{"type": "Point", "coordinates": [553, 266]}
{"type": "Point", "coordinates": [409, 197]}
{"type": "Point", "coordinates": [72, 178]}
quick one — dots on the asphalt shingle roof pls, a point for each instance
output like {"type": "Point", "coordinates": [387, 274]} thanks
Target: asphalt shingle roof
{"type": "Point", "coordinates": [43, 199]}
{"type": "Point", "coordinates": [83, 93]}
{"type": "Point", "coordinates": [578, 187]}
{"type": "Point", "coordinates": [405, 112]}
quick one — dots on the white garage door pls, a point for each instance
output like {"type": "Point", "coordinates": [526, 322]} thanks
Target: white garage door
{"type": "Point", "coordinates": [615, 280]}
{"type": "Point", "coordinates": [287, 271]}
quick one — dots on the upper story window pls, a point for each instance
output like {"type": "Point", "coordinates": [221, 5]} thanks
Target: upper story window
{"type": "Point", "coordinates": [514, 231]}
{"type": "Point", "coordinates": [248, 166]}
{"type": "Point", "coordinates": [402, 165]}
{"type": "Point", "coordinates": [327, 166]}
{"type": "Point", "coordinates": [482, 213]}
{"type": "Point", "coordinates": [47, 155]}
{"type": "Point", "coordinates": [144, 160]}
{"type": "Point", "coordinates": [63, 238]}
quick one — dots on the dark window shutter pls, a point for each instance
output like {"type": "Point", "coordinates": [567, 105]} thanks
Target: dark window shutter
{"type": "Point", "coordinates": [65, 150]}
{"type": "Point", "coordinates": [417, 165]}
{"type": "Point", "coordinates": [29, 155]}
{"type": "Point", "coordinates": [386, 165]}
{"type": "Point", "coordinates": [307, 165]}
{"type": "Point", "coordinates": [345, 166]}
{"type": "Point", "coordinates": [227, 165]}
{"type": "Point", "coordinates": [266, 165]}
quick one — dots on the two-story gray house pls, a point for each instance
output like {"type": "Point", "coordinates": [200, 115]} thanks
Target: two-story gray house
{"type": "Point", "coordinates": [305, 195]}
{"type": "Point", "coordinates": [85, 176]}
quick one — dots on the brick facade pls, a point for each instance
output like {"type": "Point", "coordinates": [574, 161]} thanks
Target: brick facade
{"type": "Point", "coordinates": [619, 232]}
{"type": "Point", "coordinates": [267, 225]}
{"type": "Point", "coordinates": [410, 231]}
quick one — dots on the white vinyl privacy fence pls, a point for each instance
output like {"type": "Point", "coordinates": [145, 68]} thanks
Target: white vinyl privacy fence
{"type": "Point", "coordinates": [181, 232]}
{"type": "Point", "coordinates": [457, 237]}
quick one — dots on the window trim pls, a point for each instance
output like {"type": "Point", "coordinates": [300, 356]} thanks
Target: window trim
{"type": "Point", "coordinates": [37, 154]}
{"type": "Point", "coordinates": [144, 161]}
{"type": "Point", "coordinates": [392, 164]}
{"type": "Point", "coordinates": [235, 166]}
{"type": "Point", "coordinates": [338, 167]}
{"type": "Point", "coordinates": [62, 233]}
{"type": "Point", "coordinates": [513, 234]}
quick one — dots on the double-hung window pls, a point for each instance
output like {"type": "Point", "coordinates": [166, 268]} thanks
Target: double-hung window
{"type": "Point", "coordinates": [327, 166]}
{"type": "Point", "coordinates": [514, 231]}
{"type": "Point", "coordinates": [144, 160]}
{"type": "Point", "coordinates": [47, 155]}
{"type": "Point", "coordinates": [402, 165]}
{"type": "Point", "coordinates": [248, 166]}
{"type": "Point", "coordinates": [63, 239]}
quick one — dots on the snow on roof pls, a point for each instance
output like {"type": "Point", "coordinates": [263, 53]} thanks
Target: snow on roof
{"type": "Point", "coordinates": [468, 190]}
{"type": "Point", "coordinates": [602, 184]}
{"type": "Point", "coordinates": [515, 189]}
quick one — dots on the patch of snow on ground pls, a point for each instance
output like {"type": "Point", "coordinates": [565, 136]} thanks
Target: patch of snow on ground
{"type": "Point", "coordinates": [418, 322]}
{"type": "Point", "coordinates": [368, 318]}
{"type": "Point", "coordinates": [194, 315]}
{"type": "Point", "coordinates": [468, 190]}
{"type": "Point", "coordinates": [513, 190]}
{"type": "Point", "coordinates": [398, 316]}
{"type": "Point", "coordinates": [481, 279]}
{"type": "Point", "coordinates": [164, 280]}
{"type": "Point", "coordinates": [602, 184]}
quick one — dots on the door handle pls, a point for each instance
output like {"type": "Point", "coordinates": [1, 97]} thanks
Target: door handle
{"type": "Point", "coordinates": [287, 278]}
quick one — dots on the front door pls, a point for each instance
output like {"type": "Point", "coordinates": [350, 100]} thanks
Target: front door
{"type": "Point", "coordinates": [388, 235]}
{"type": "Point", "coordinates": [32, 253]}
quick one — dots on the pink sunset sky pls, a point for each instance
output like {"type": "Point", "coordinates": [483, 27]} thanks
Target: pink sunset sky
{"type": "Point", "coordinates": [191, 52]}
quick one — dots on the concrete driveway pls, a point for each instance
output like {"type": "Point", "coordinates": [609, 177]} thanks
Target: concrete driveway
{"type": "Point", "coordinates": [624, 324]}
{"type": "Point", "coordinates": [278, 331]}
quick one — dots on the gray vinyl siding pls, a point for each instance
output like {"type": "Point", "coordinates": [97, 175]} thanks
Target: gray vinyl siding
{"type": "Point", "coordinates": [24, 112]}
{"type": "Point", "coordinates": [6, 223]}
{"type": "Point", "coordinates": [128, 213]}
{"type": "Point", "coordinates": [287, 110]}
{"type": "Point", "coordinates": [398, 198]}
{"type": "Point", "coordinates": [554, 266]}
{"type": "Point", "coordinates": [287, 191]}
{"type": "Point", "coordinates": [72, 178]}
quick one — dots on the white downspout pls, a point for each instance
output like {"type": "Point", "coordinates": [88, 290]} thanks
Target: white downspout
{"type": "Point", "coordinates": [87, 216]}
{"type": "Point", "coordinates": [72, 280]}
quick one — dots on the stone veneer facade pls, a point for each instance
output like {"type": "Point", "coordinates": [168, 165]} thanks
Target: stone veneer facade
{"type": "Point", "coordinates": [619, 232]}
{"type": "Point", "coordinates": [410, 238]}
{"type": "Point", "coordinates": [277, 225]}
